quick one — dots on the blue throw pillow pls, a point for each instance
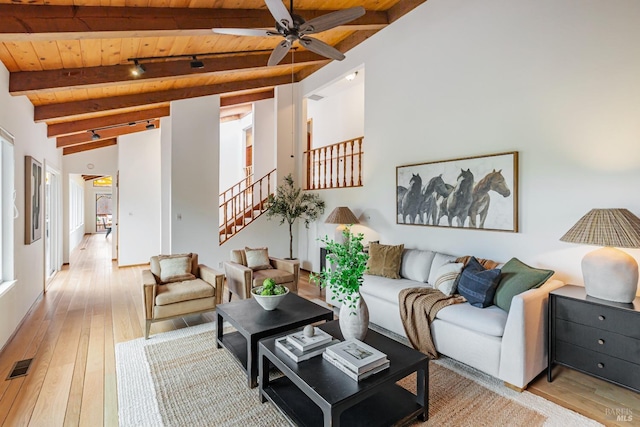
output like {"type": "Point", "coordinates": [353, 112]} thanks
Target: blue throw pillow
{"type": "Point", "coordinates": [477, 284]}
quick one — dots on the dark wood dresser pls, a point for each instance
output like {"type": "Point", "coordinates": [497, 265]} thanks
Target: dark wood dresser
{"type": "Point", "coordinates": [597, 337]}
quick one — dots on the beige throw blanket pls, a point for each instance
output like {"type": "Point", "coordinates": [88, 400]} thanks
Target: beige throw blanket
{"type": "Point", "coordinates": [418, 308]}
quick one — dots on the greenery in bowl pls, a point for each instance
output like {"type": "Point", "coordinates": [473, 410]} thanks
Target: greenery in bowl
{"type": "Point", "coordinates": [269, 287]}
{"type": "Point", "coordinates": [348, 263]}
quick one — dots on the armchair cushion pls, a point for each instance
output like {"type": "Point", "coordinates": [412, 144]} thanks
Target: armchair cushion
{"type": "Point", "coordinates": [257, 259]}
{"type": "Point", "coordinates": [187, 290]}
{"type": "Point", "coordinates": [175, 268]}
{"type": "Point", "coordinates": [278, 276]}
{"type": "Point", "coordinates": [154, 265]}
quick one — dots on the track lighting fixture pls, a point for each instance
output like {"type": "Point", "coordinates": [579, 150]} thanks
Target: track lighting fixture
{"type": "Point", "coordinates": [195, 63]}
{"type": "Point", "coordinates": [150, 125]}
{"type": "Point", "coordinates": [138, 69]}
{"type": "Point", "coordinates": [94, 135]}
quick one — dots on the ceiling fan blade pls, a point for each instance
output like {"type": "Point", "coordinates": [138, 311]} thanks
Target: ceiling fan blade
{"type": "Point", "coordinates": [331, 20]}
{"type": "Point", "coordinates": [279, 52]}
{"type": "Point", "coordinates": [321, 48]}
{"type": "Point", "coordinates": [280, 13]}
{"type": "Point", "coordinates": [245, 32]}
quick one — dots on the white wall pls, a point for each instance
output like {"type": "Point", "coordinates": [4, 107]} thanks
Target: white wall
{"type": "Point", "coordinates": [16, 117]}
{"type": "Point", "coordinates": [102, 161]}
{"type": "Point", "coordinates": [556, 81]}
{"type": "Point", "coordinates": [340, 116]}
{"type": "Point", "coordinates": [77, 229]}
{"type": "Point", "coordinates": [140, 206]}
{"type": "Point", "coordinates": [264, 145]}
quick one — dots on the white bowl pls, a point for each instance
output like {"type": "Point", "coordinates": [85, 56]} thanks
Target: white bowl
{"type": "Point", "coordinates": [268, 302]}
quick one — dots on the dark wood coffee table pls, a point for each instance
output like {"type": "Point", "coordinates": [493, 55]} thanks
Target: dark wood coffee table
{"type": "Point", "coordinates": [252, 323]}
{"type": "Point", "coordinates": [316, 393]}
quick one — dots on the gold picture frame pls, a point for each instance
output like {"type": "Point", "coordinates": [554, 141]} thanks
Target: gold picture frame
{"type": "Point", "coordinates": [478, 192]}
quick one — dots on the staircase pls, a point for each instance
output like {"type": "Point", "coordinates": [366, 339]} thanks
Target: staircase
{"type": "Point", "coordinates": [243, 203]}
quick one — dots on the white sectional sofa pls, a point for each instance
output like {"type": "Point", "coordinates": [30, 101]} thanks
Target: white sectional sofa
{"type": "Point", "coordinates": [510, 345]}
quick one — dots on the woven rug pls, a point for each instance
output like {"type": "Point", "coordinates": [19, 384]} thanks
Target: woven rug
{"type": "Point", "coordinates": [179, 378]}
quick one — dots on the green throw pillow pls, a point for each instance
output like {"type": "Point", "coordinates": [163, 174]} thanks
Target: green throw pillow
{"type": "Point", "coordinates": [518, 277]}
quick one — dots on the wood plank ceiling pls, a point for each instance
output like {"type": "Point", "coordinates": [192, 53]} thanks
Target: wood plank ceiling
{"type": "Point", "coordinates": [73, 58]}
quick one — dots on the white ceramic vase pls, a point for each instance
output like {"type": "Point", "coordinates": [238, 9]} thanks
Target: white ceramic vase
{"type": "Point", "coordinates": [354, 322]}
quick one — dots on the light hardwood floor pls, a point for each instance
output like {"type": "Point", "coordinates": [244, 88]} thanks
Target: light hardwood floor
{"type": "Point", "coordinates": [91, 305]}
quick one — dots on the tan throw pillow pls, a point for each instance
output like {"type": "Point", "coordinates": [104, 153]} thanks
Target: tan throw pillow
{"type": "Point", "coordinates": [384, 260]}
{"type": "Point", "coordinates": [175, 268]}
{"type": "Point", "coordinates": [257, 259]}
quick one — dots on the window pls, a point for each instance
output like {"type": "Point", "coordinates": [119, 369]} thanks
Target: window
{"type": "Point", "coordinates": [7, 206]}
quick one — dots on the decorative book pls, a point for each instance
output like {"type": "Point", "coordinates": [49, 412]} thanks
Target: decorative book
{"type": "Point", "coordinates": [351, 374]}
{"type": "Point", "coordinates": [357, 356]}
{"type": "Point", "coordinates": [304, 343]}
{"type": "Point", "coordinates": [285, 346]}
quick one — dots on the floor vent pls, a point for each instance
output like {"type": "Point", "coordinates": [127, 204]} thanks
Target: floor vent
{"type": "Point", "coordinates": [20, 369]}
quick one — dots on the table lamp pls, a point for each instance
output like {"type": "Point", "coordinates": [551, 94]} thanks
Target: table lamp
{"type": "Point", "coordinates": [609, 273]}
{"type": "Point", "coordinates": [341, 215]}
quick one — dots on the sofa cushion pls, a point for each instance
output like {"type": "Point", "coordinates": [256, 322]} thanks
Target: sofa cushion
{"type": "Point", "coordinates": [384, 260]}
{"type": "Point", "coordinates": [279, 276]}
{"type": "Point", "coordinates": [175, 268]}
{"type": "Point", "coordinates": [438, 261]}
{"type": "Point", "coordinates": [257, 259]}
{"type": "Point", "coordinates": [187, 290]}
{"type": "Point", "coordinates": [416, 264]}
{"type": "Point", "coordinates": [385, 288]}
{"type": "Point", "coordinates": [488, 321]}
{"type": "Point", "coordinates": [477, 284]}
{"type": "Point", "coordinates": [516, 278]}
{"type": "Point", "coordinates": [448, 275]}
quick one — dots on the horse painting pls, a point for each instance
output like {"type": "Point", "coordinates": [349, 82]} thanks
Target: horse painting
{"type": "Point", "coordinates": [434, 189]}
{"type": "Point", "coordinates": [493, 181]}
{"type": "Point", "coordinates": [410, 200]}
{"type": "Point", "coordinates": [456, 204]}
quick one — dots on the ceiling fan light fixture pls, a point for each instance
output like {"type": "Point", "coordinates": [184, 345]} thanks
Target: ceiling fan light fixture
{"type": "Point", "coordinates": [138, 69]}
{"type": "Point", "coordinates": [195, 63]}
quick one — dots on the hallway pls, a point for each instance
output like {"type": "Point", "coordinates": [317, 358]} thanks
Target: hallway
{"type": "Point", "coordinates": [71, 332]}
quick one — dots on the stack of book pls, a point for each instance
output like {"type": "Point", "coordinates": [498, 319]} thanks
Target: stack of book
{"type": "Point", "coordinates": [356, 359]}
{"type": "Point", "coordinates": [300, 347]}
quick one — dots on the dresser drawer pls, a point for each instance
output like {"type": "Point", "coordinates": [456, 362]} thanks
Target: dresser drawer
{"type": "Point", "coordinates": [597, 364]}
{"type": "Point", "coordinates": [598, 316]}
{"type": "Point", "coordinates": [598, 340]}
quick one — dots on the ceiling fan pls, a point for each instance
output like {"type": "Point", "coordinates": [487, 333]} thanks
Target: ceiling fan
{"type": "Point", "coordinates": [293, 27]}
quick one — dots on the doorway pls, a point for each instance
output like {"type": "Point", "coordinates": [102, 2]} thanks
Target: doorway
{"type": "Point", "coordinates": [52, 225]}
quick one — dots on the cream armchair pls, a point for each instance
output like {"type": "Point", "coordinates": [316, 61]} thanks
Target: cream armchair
{"type": "Point", "coordinates": [243, 274]}
{"type": "Point", "coordinates": [176, 285]}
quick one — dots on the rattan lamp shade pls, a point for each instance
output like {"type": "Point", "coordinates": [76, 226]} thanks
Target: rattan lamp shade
{"type": "Point", "coordinates": [606, 227]}
{"type": "Point", "coordinates": [608, 273]}
{"type": "Point", "coordinates": [341, 215]}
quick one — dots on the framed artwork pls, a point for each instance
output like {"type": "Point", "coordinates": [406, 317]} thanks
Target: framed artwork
{"type": "Point", "coordinates": [33, 214]}
{"type": "Point", "coordinates": [472, 192]}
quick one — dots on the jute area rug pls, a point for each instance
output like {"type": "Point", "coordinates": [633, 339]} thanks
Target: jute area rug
{"type": "Point", "coordinates": [179, 378]}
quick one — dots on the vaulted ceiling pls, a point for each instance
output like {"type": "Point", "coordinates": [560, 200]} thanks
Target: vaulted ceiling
{"type": "Point", "coordinates": [73, 58]}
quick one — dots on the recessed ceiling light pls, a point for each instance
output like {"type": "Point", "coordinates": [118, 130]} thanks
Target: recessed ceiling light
{"type": "Point", "coordinates": [351, 76]}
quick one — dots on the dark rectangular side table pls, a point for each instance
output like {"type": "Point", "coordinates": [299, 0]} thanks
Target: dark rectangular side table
{"type": "Point", "coordinates": [316, 393]}
{"type": "Point", "coordinates": [594, 336]}
{"type": "Point", "coordinates": [252, 323]}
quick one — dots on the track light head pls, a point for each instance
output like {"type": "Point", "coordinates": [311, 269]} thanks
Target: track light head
{"type": "Point", "coordinates": [196, 64]}
{"type": "Point", "coordinates": [138, 69]}
{"type": "Point", "coordinates": [94, 135]}
{"type": "Point", "coordinates": [150, 125]}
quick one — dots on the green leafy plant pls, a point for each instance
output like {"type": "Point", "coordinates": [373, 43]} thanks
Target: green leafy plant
{"type": "Point", "coordinates": [290, 203]}
{"type": "Point", "coordinates": [269, 287]}
{"type": "Point", "coordinates": [348, 262]}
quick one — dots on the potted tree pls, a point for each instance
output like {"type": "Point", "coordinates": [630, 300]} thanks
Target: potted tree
{"type": "Point", "coordinates": [347, 264]}
{"type": "Point", "coordinates": [290, 203]}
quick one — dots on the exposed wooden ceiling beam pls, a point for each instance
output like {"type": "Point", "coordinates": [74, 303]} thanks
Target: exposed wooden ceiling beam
{"type": "Point", "coordinates": [77, 108]}
{"type": "Point", "coordinates": [32, 82]}
{"type": "Point", "coordinates": [80, 138]}
{"type": "Point", "coordinates": [226, 101]}
{"type": "Point", "coordinates": [401, 8]}
{"type": "Point", "coordinates": [89, 146]}
{"type": "Point", "coordinates": [66, 128]}
{"type": "Point", "coordinates": [34, 22]}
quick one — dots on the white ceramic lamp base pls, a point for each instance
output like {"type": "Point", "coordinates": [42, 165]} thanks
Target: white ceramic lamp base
{"type": "Point", "coordinates": [610, 274]}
